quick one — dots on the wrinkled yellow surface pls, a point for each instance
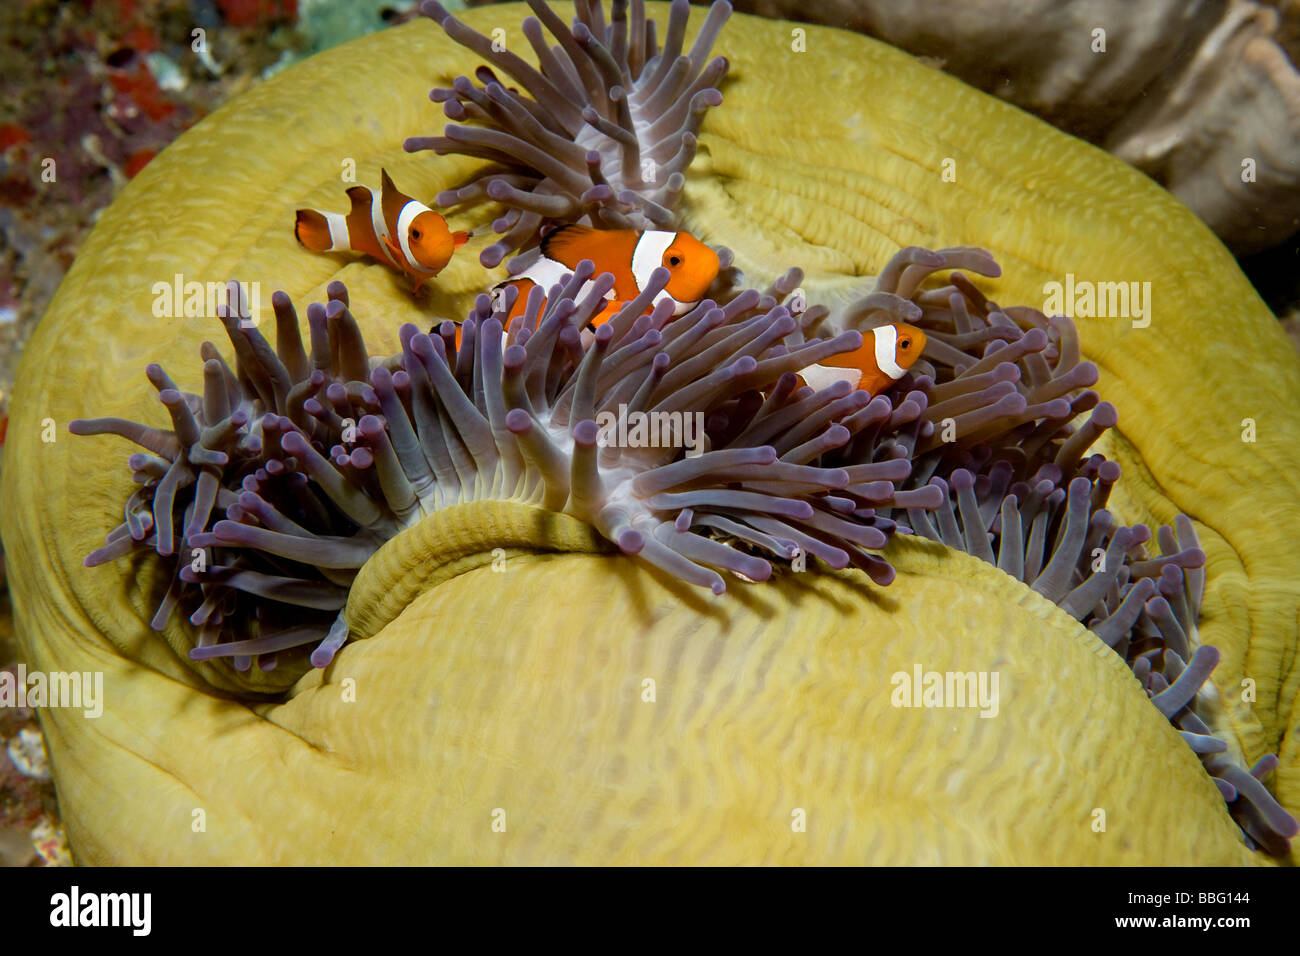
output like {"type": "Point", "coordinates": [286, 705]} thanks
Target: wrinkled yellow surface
{"type": "Point", "coordinates": [522, 690]}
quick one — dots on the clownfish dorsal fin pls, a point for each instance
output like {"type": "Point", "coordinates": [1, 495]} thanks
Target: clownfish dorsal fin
{"type": "Point", "coordinates": [360, 197]}
{"type": "Point", "coordinates": [556, 244]}
{"type": "Point", "coordinates": [393, 201]}
{"type": "Point", "coordinates": [609, 249]}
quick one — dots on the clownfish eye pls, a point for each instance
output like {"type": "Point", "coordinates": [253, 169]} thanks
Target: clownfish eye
{"type": "Point", "coordinates": [906, 343]}
{"type": "Point", "coordinates": [674, 260]}
{"type": "Point", "coordinates": [415, 233]}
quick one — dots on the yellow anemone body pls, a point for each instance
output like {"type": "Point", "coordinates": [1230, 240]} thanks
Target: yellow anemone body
{"type": "Point", "coordinates": [478, 699]}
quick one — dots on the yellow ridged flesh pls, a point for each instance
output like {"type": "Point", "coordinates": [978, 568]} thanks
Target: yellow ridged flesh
{"type": "Point", "coordinates": [520, 689]}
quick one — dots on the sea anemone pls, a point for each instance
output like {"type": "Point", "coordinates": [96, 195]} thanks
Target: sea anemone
{"type": "Point", "coordinates": [608, 132]}
{"type": "Point", "coordinates": [502, 652]}
{"type": "Point", "coordinates": [320, 460]}
{"type": "Point", "coordinates": [316, 461]}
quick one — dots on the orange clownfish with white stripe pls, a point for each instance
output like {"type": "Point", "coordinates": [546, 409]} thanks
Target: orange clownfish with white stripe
{"type": "Point", "coordinates": [630, 257]}
{"type": "Point", "coordinates": [397, 230]}
{"type": "Point", "coordinates": [884, 357]}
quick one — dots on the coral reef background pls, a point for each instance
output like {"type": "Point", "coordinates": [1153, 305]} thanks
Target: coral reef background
{"type": "Point", "coordinates": [100, 87]}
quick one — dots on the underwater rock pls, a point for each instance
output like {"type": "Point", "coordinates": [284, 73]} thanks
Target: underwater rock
{"type": "Point", "coordinates": [1202, 96]}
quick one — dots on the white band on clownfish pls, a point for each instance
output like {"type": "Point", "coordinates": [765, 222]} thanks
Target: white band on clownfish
{"type": "Point", "coordinates": [679, 307]}
{"type": "Point", "coordinates": [549, 272]}
{"type": "Point", "coordinates": [887, 351]}
{"type": "Point", "coordinates": [824, 376]}
{"type": "Point", "coordinates": [544, 272]}
{"type": "Point", "coordinates": [380, 227]}
{"type": "Point", "coordinates": [648, 255]}
{"type": "Point", "coordinates": [338, 227]}
{"type": "Point", "coordinates": [404, 220]}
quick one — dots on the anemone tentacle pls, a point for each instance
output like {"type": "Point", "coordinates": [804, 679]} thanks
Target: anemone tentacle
{"type": "Point", "coordinates": [605, 132]}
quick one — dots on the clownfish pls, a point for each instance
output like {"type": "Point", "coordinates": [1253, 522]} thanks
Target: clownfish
{"type": "Point", "coordinates": [397, 230]}
{"type": "Point", "coordinates": [629, 256]}
{"type": "Point", "coordinates": [885, 356]}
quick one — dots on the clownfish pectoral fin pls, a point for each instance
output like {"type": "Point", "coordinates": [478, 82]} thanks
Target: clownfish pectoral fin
{"type": "Point", "coordinates": [420, 279]}
{"type": "Point", "coordinates": [459, 238]}
{"type": "Point", "coordinates": [397, 253]}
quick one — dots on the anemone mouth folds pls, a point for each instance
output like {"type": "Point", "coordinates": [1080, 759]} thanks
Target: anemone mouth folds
{"type": "Point", "coordinates": [455, 541]}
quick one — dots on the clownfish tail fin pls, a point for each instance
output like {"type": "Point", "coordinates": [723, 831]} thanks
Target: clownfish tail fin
{"type": "Point", "coordinates": [320, 231]}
